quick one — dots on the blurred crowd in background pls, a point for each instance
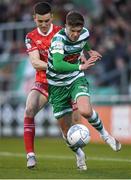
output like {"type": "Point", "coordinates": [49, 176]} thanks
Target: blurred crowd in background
{"type": "Point", "coordinates": [109, 24]}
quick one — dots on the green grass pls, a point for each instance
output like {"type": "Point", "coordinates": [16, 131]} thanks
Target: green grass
{"type": "Point", "coordinates": [56, 161]}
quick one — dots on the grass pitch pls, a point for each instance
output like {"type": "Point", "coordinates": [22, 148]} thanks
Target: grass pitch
{"type": "Point", "coordinates": [56, 161]}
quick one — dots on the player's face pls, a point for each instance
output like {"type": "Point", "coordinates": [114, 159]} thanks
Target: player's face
{"type": "Point", "coordinates": [43, 22]}
{"type": "Point", "coordinates": [73, 33]}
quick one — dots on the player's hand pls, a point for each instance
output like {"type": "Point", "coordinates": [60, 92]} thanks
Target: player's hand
{"type": "Point", "coordinates": [95, 53]}
{"type": "Point", "coordinates": [90, 62]}
{"type": "Point", "coordinates": [83, 59]}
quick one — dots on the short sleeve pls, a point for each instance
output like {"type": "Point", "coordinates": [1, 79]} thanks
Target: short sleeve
{"type": "Point", "coordinates": [30, 44]}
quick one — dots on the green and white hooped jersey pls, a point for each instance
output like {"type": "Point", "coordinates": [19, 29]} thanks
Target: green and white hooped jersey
{"type": "Point", "coordinates": [71, 51]}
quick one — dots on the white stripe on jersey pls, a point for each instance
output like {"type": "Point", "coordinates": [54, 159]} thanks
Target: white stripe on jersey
{"type": "Point", "coordinates": [61, 76]}
{"type": "Point", "coordinates": [64, 83]}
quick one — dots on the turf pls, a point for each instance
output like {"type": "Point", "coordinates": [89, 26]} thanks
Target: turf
{"type": "Point", "coordinates": [56, 161]}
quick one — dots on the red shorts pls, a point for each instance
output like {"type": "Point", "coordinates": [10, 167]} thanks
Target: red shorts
{"type": "Point", "coordinates": [41, 87]}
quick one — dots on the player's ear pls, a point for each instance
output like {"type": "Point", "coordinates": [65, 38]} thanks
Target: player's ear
{"type": "Point", "coordinates": [33, 16]}
{"type": "Point", "coordinates": [67, 27]}
{"type": "Point", "coordinates": [52, 16]}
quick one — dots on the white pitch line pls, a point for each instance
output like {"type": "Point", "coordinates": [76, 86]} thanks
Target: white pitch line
{"type": "Point", "coordinates": [60, 157]}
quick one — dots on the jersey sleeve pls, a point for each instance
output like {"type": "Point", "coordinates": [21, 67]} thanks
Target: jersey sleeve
{"type": "Point", "coordinates": [87, 35]}
{"type": "Point", "coordinates": [87, 47]}
{"type": "Point", "coordinates": [61, 66]}
{"type": "Point", "coordinates": [30, 44]}
{"type": "Point", "coordinates": [57, 45]}
{"type": "Point", "coordinates": [57, 50]}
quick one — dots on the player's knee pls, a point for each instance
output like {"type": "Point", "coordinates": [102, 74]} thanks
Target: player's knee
{"type": "Point", "coordinates": [85, 112]}
{"type": "Point", "coordinates": [30, 112]}
{"type": "Point", "coordinates": [76, 119]}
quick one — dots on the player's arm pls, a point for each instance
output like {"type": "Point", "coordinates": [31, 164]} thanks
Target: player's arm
{"type": "Point", "coordinates": [33, 53]}
{"type": "Point", "coordinates": [36, 62]}
{"type": "Point", "coordinates": [62, 66]}
{"type": "Point", "coordinates": [91, 52]}
{"type": "Point", "coordinates": [57, 51]}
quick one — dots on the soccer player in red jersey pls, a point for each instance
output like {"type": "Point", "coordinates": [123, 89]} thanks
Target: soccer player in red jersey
{"type": "Point", "coordinates": [37, 43]}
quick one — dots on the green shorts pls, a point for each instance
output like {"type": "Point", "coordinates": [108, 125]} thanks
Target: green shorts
{"type": "Point", "coordinates": [61, 97]}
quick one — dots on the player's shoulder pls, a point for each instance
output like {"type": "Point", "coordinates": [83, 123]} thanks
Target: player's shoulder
{"type": "Point", "coordinates": [60, 33]}
{"type": "Point", "coordinates": [85, 31]}
{"type": "Point", "coordinates": [56, 27]}
{"type": "Point", "coordinates": [59, 36]}
{"type": "Point", "coordinates": [32, 33]}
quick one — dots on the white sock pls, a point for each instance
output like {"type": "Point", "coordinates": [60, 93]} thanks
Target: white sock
{"type": "Point", "coordinates": [30, 154]}
{"type": "Point", "coordinates": [103, 132]}
{"type": "Point", "coordinates": [79, 152]}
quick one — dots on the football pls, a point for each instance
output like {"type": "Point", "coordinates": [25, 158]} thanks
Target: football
{"type": "Point", "coordinates": [78, 135]}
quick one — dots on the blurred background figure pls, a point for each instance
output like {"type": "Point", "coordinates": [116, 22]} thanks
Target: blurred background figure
{"type": "Point", "coordinates": [109, 24]}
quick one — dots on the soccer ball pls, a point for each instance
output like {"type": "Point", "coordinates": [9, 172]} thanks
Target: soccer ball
{"type": "Point", "coordinates": [78, 135]}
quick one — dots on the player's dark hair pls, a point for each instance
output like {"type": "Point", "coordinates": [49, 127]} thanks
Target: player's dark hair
{"type": "Point", "coordinates": [42, 8]}
{"type": "Point", "coordinates": [74, 19]}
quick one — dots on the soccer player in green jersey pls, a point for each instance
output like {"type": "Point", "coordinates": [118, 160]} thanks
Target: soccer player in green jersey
{"type": "Point", "coordinates": [67, 81]}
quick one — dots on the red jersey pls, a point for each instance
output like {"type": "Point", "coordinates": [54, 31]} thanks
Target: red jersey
{"type": "Point", "coordinates": [37, 40]}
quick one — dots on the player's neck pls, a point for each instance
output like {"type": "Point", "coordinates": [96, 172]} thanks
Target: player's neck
{"type": "Point", "coordinates": [45, 34]}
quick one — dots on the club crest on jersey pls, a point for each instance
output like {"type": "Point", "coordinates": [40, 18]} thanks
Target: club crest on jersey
{"type": "Point", "coordinates": [38, 42]}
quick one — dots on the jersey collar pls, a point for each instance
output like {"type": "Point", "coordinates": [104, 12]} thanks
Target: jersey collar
{"type": "Point", "coordinates": [50, 30]}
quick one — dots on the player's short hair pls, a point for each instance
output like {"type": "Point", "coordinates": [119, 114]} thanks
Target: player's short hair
{"type": "Point", "coordinates": [74, 19]}
{"type": "Point", "coordinates": [42, 8]}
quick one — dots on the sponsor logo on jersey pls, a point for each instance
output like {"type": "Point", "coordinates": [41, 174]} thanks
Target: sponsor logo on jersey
{"type": "Point", "coordinates": [70, 48]}
{"type": "Point", "coordinates": [73, 58]}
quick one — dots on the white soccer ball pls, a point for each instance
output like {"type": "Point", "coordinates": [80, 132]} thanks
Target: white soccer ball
{"type": "Point", "coordinates": [78, 135]}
